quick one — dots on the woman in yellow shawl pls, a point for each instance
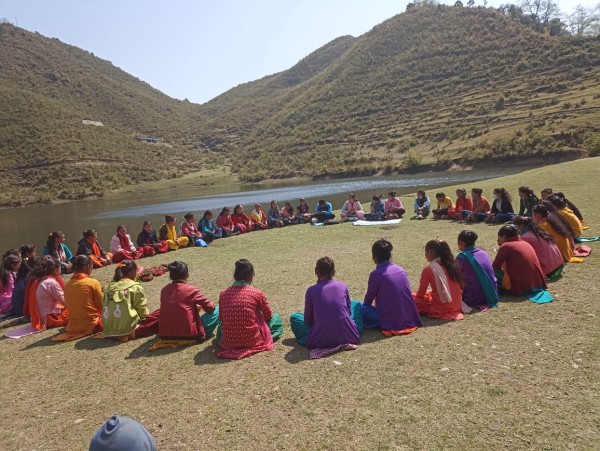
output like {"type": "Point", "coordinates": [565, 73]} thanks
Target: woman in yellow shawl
{"type": "Point", "coordinates": [168, 233]}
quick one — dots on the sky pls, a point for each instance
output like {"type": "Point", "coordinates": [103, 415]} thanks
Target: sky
{"type": "Point", "coordinates": [198, 49]}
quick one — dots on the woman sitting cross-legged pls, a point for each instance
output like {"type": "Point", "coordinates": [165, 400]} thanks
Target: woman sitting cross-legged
{"type": "Point", "coordinates": [89, 246]}
{"type": "Point", "coordinates": [287, 214]}
{"type": "Point", "coordinates": [248, 325]}
{"type": "Point", "coordinates": [58, 250]}
{"type": "Point", "coordinates": [148, 241]}
{"type": "Point", "coordinates": [123, 248]}
{"type": "Point", "coordinates": [394, 312]}
{"type": "Point", "coordinates": [178, 321]}
{"type": "Point", "coordinates": [422, 205]}
{"type": "Point", "coordinates": [83, 299]}
{"type": "Point", "coordinates": [125, 303]}
{"type": "Point", "coordinates": [502, 209]}
{"type": "Point", "coordinates": [189, 229]}
{"type": "Point", "coordinates": [444, 205]}
{"type": "Point", "coordinates": [44, 296]}
{"type": "Point", "coordinates": [225, 223]}
{"type": "Point", "coordinates": [207, 228]}
{"type": "Point", "coordinates": [480, 288]}
{"type": "Point", "coordinates": [352, 209]}
{"type": "Point", "coordinates": [559, 229]}
{"type": "Point", "coordinates": [443, 275]}
{"type": "Point", "coordinates": [259, 218]}
{"type": "Point", "coordinates": [463, 205]}
{"type": "Point", "coordinates": [481, 206]}
{"type": "Point", "coordinates": [331, 322]}
{"type": "Point", "coordinates": [517, 267]}
{"type": "Point", "coordinates": [393, 206]}
{"type": "Point", "coordinates": [168, 233]}
{"type": "Point", "coordinates": [274, 215]}
{"type": "Point", "coordinates": [376, 210]}
{"type": "Point", "coordinates": [548, 253]}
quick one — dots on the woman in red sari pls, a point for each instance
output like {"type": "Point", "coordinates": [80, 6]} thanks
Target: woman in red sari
{"type": "Point", "coordinates": [241, 219]}
{"type": "Point", "coordinates": [248, 324]}
{"type": "Point", "coordinates": [225, 223]}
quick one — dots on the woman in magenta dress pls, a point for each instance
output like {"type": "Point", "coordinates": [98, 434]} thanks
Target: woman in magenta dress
{"type": "Point", "coordinates": [388, 303]}
{"type": "Point", "coordinates": [248, 324]}
{"type": "Point", "coordinates": [548, 253]}
{"type": "Point", "coordinates": [444, 277]}
{"type": "Point", "coordinates": [328, 319]}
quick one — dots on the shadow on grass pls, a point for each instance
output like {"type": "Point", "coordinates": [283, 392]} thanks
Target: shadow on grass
{"type": "Point", "coordinates": [508, 299]}
{"type": "Point", "coordinates": [142, 349]}
{"type": "Point", "coordinates": [91, 343]}
{"type": "Point", "coordinates": [297, 353]}
{"type": "Point", "coordinates": [207, 356]}
{"type": "Point", "coordinates": [44, 342]}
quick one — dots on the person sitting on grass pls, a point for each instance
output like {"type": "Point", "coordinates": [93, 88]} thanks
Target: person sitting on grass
{"type": "Point", "coordinates": [376, 211]}
{"type": "Point", "coordinates": [45, 298]}
{"type": "Point", "coordinates": [502, 209]}
{"type": "Point", "coordinates": [122, 248]}
{"type": "Point", "coordinates": [548, 253]}
{"type": "Point", "coordinates": [443, 275]}
{"type": "Point", "coordinates": [189, 229]}
{"type": "Point", "coordinates": [323, 211]}
{"type": "Point", "coordinates": [394, 312]}
{"type": "Point", "coordinates": [8, 276]}
{"type": "Point", "coordinates": [83, 299]}
{"type": "Point", "coordinates": [247, 323]}
{"type": "Point", "coordinates": [168, 233]}
{"type": "Point", "coordinates": [570, 205]}
{"type": "Point", "coordinates": [241, 219]}
{"type": "Point", "coordinates": [58, 250]}
{"type": "Point", "coordinates": [527, 200]}
{"type": "Point", "coordinates": [225, 223]}
{"type": "Point", "coordinates": [517, 267]}
{"type": "Point", "coordinates": [557, 228]}
{"type": "Point", "coordinates": [274, 215]}
{"type": "Point", "coordinates": [287, 213]}
{"type": "Point", "coordinates": [463, 204]}
{"type": "Point", "coordinates": [89, 246]}
{"type": "Point", "coordinates": [209, 231]}
{"type": "Point", "coordinates": [352, 209]}
{"type": "Point", "coordinates": [444, 205]}
{"type": "Point", "coordinates": [422, 205]}
{"type": "Point", "coordinates": [148, 241]}
{"type": "Point", "coordinates": [178, 321]}
{"type": "Point", "coordinates": [481, 206]}
{"type": "Point", "coordinates": [330, 320]}
{"type": "Point", "coordinates": [480, 288]}
{"type": "Point", "coordinates": [393, 206]}
{"type": "Point", "coordinates": [125, 303]}
{"type": "Point", "coordinates": [259, 218]}
{"type": "Point", "coordinates": [303, 211]}
{"type": "Point", "coordinates": [566, 214]}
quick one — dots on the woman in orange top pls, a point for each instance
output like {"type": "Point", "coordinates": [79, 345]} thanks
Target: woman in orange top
{"type": "Point", "coordinates": [480, 207]}
{"type": "Point", "coordinates": [83, 299]}
{"type": "Point", "coordinates": [89, 246]}
{"type": "Point", "coordinates": [446, 280]}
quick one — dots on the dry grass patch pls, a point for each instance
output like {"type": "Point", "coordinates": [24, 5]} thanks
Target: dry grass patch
{"type": "Point", "coordinates": [523, 376]}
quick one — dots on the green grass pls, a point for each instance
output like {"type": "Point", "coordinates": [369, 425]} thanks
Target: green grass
{"type": "Point", "coordinates": [524, 376]}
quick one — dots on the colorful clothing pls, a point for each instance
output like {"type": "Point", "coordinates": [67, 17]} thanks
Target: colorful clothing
{"type": "Point", "coordinates": [422, 206]}
{"type": "Point", "coordinates": [259, 218]}
{"type": "Point", "coordinates": [352, 208]}
{"type": "Point", "coordinates": [327, 316]}
{"type": "Point", "coordinates": [517, 259]}
{"type": "Point", "coordinates": [563, 243]}
{"type": "Point", "coordinates": [324, 212]}
{"type": "Point", "coordinates": [548, 254]}
{"type": "Point", "coordinates": [169, 234]}
{"type": "Point", "coordinates": [502, 211]}
{"type": "Point", "coordinates": [83, 299]}
{"type": "Point", "coordinates": [243, 222]}
{"type": "Point", "coordinates": [63, 254]}
{"type": "Point", "coordinates": [445, 298]}
{"type": "Point", "coordinates": [573, 221]}
{"type": "Point", "coordinates": [209, 231]}
{"type": "Point", "coordinates": [395, 309]}
{"type": "Point", "coordinates": [463, 204]}
{"type": "Point", "coordinates": [480, 288]}
{"type": "Point", "coordinates": [526, 205]}
{"type": "Point", "coordinates": [92, 249]}
{"type": "Point", "coordinates": [189, 230]}
{"type": "Point", "coordinates": [6, 293]}
{"type": "Point", "coordinates": [125, 305]}
{"type": "Point", "coordinates": [148, 240]}
{"type": "Point", "coordinates": [123, 248]}
{"type": "Point", "coordinates": [377, 212]}
{"type": "Point", "coordinates": [45, 303]}
{"type": "Point", "coordinates": [179, 316]}
{"type": "Point", "coordinates": [481, 207]}
{"type": "Point", "coordinates": [244, 312]}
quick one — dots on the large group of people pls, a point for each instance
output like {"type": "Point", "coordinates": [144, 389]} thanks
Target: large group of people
{"type": "Point", "coordinates": [534, 246]}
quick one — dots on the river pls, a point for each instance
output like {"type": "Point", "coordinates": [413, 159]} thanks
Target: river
{"type": "Point", "coordinates": [32, 224]}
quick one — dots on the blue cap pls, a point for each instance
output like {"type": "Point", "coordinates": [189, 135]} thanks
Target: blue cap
{"type": "Point", "coordinates": [122, 433]}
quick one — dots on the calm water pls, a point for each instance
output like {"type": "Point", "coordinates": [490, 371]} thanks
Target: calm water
{"type": "Point", "coordinates": [32, 225]}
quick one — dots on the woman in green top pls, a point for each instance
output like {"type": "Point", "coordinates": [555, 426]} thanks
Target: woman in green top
{"type": "Point", "coordinates": [125, 303]}
{"type": "Point", "coordinates": [528, 200]}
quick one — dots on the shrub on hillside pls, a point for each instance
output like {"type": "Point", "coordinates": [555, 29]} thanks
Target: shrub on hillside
{"type": "Point", "coordinates": [592, 144]}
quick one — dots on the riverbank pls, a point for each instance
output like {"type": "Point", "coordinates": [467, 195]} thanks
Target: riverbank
{"type": "Point", "coordinates": [523, 376]}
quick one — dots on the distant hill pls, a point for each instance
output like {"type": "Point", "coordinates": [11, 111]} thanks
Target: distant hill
{"type": "Point", "coordinates": [429, 87]}
{"type": "Point", "coordinates": [47, 88]}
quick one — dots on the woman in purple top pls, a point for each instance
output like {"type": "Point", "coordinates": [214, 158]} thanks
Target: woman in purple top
{"type": "Point", "coordinates": [330, 319]}
{"type": "Point", "coordinates": [473, 292]}
{"type": "Point", "coordinates": [395, 312]}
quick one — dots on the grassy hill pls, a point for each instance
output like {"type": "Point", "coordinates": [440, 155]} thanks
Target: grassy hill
{"type": "Point", "coordinates": [425, 87]}
{"type": "Point", "coordinates": [429, 87]}
{"type": "Point", "coordinates": [47, 88]}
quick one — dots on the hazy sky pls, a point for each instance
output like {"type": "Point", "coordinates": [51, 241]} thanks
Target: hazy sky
{"type": "Point", "coordinates": [198, 49]}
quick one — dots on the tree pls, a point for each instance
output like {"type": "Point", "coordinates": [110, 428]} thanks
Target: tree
{"type": "Point", "coordinates": [458, 4]}
{"type": "Point", "coordinates": [584, 21]}
{"type": "Point", "coordinates": [471, 3]}
{"type": "Point", "coordinates": [541, 11]}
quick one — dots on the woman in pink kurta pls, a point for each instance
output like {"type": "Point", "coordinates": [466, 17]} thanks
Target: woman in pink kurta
{"type": "Point", "coordinates": [393, 206]}
{"type": "Point", "coordinates": [244, 312]}
{"type": "Point", "coordinates": [543, 244]}
{"type": "Point", "coordinates": [8, 276]}
{"type": "Point", "coordinates": [444, 277]}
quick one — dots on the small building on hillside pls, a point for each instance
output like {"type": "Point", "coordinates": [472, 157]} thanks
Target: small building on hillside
{"type": "Point", "coordinates": [149, 139]}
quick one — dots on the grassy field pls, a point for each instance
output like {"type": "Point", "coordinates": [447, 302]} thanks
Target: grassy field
{"type": "Point", "coordinates": [523, 376]}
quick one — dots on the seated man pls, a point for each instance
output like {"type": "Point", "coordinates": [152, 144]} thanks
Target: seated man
{"type": "Point", "coordinates": [323, 211]}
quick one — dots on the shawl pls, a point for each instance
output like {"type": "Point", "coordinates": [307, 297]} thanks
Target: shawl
{"type": "Point", "coordinates": [441, 281]}
{"type": "Point", "coordinates": [488, 286]}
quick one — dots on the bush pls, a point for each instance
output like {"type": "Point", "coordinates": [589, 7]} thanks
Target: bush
{"type": "Point", "coordinates": [592, 144]}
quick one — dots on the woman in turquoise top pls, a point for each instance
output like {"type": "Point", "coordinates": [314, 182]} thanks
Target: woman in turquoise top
{"type": "Point", "coordinates": [57, 249]}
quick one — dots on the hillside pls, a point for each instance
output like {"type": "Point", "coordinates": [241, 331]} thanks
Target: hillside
{"type": "Point", "coordinates": [426, 87]}
{"type": "Point", "coordinates": [47, 88]}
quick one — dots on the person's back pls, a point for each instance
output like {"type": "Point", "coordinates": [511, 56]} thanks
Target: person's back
{"type": "Point", "coordinates": [473, 294]}
{"type": "Point", "coordinates": [522, 266]}
{"type": "Point", "coordinates": [327, 311]}
{"type": "Point", "coordinates": [547, 252]}
{"type": "Point", "coordinates": [390, 287]}
{"type": "Point", "coordinates": [83, 299]}
{"type": "Point", "coordinates": [179, 316]}
{"type": "Point", "coordinates": [125, 304]}
{"type": "Point", "coordinates": [238, 311]}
